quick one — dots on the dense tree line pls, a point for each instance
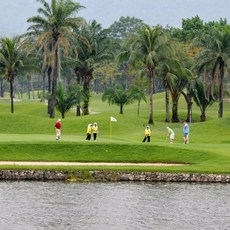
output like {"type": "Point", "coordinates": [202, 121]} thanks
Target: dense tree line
{"type": "Point", "coordinates": [69, 58]}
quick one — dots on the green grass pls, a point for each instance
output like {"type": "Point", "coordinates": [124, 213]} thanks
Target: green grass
{"type": "Point", "coordinates": [29, 135]}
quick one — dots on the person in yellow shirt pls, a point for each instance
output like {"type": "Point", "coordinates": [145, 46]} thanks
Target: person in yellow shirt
{"type": "Point", "coordinates": [147, 134]}
{"type": "Point", "coordinates": [88, 132]}
{"type": "Point", "coordinates": [95, 131]}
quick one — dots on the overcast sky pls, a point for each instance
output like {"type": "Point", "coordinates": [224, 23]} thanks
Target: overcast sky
{"type": "Point", "coordinates": [14, 13]}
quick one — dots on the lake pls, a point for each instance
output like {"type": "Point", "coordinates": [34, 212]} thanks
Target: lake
{"type": "Point", "coordinates": [114, 206]}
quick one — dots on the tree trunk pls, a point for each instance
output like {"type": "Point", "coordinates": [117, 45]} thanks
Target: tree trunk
{"type": "Point", "coordinates": [167, 119]}
{"type": "Point", "coordinates": [175, 111]}
{"type": "Point", "coordinates": [86, 99]}
{"type": "Point", "coordinates": [1, 87]}
{"type": "Point", "coordinates": [96, 86]}
{"type": "Point", "coordinates": [38, 88]}
{"type": "Point", "coordinates": [121, 108]}
{"type": "Point", "coordinates": [86, 88]}
{"type": "Point", "coordinates": [189, 114]}
{"type": "Point", "coordinates": [203, 116]}
{"type": "Point", "coordinates": [43, 85]}
{"type": "Point", "coordinates": [78, 109]}
{"type": "Point", "coordinates": [49, 72]}
{"type": "Point", "coordinates": [55, 76]}
{"type": "Point", "coordinates": [12, 96]}
{"type": "Point", "coordinates": [221, 89]}
{"type": "Point", "coordinates": [151, 77]}
{"type": "Point", "coordinates": [32, 87]}
{"type": "Point", "coordinates": [138, 107]}
{"type": "Point", "coordinates": [188, 99]}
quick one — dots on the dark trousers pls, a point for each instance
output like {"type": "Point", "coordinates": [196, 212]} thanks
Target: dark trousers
{"type": "Point", "coordinates": [146, 137]}
{"type": "Point", "coordinates": [88, 137]}
{"type": "Point", "coordinates": [95, 136]}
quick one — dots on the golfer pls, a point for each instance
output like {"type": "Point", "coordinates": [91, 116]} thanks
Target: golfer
{"type": "Point", "coordinates": [147, 134]}
{"type": "Point", "coordinates": [58, 129]}
{"type": "Point", "coordinates": [186, 132]}
{"type": "Point", "coordinates": [95, 131]}
{"type": "Point", "coordinates": [171, 134]}
{"type": "Point", "coordinates": [88, 132]}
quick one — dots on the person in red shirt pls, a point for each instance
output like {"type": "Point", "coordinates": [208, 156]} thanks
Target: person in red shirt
{"type": "Point", "coordinates": [58, 129]}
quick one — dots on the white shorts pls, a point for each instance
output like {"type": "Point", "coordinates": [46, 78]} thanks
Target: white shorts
{"type": "Point", "coordinates": [172, 135]}
{"type": "Point", "coordinates": [58, 132]}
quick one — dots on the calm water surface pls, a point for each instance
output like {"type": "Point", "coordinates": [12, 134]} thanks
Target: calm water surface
{"type": "Point", "coordinates": [114, 206]}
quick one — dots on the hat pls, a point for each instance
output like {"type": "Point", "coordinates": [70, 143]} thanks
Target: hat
{"type": "Point", "coordinates": [59, 119]}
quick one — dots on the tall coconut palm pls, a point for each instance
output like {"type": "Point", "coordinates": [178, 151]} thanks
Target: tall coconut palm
{"type": "Point", "coordinates": [13, 61]}
{"type": "Point", "coordinates": [167, 72]}
{"type": "Point", "coordinates": [149, 47]}
{"type": "Point", "coordinates": [53, 31]}
{"type": "Point", "coordinates": [89, 57]}
{"type": "Point", "coordinates": [176, 76]}
{"type": "Point", "coordinates": [216, 54]}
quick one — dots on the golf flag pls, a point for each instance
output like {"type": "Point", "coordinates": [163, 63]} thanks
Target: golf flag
{"type": "Point", "coordinates": [113, 119]}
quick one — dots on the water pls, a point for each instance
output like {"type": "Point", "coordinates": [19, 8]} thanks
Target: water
{"type": "Point", "coordinates": [114, 206]}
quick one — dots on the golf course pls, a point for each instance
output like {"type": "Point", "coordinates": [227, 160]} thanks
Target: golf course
{"type": "Point", "coordinates": [29, 135]}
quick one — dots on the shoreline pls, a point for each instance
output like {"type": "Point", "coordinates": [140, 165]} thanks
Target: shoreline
{"type": "Point", "coordinates": [110, 176]}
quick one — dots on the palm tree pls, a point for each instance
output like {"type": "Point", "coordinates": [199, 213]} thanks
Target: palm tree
{"type": "Point", "coordinates": [66, 98]}
{"type": "Point", "coordinates": [13, 61]}
{"type": "Point", "coordinates": [216, 53]}
{"type": "Point", "coordinates": [117, 96]}
{"type": "Point", "coordinates": [202, 99]}
{"type": "Point", "coordinates": [138, 93]}
{"type": "Point", "coordinates": [176, 85]}
{"type": "Point", "coordinates": [167, 71]}
{"type": "Point", "coordinates": [90, 56]}
{"type": "Point", "coordinates": [53, 30]}
{"type": "Point", "coordinates": [149, 47]}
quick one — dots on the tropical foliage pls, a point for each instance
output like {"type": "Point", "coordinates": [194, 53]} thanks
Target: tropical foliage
{"type": "Point", "coordinates": [117, 96]}
{"type": "Point", "coordinates": [66, 99]}
{"type": "Point", "coordinates": [125, 63]}
{"type": "Point", "coordinates": [53, 31]}
{"type": "Point", "coordinates": [90, 56]}
{"type": "Point", "coordinates": [148, 48]}
{"type": "Point", "coordinates": [13, 61]}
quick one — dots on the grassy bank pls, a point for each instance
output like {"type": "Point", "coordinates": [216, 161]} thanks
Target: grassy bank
{"type": "Point", "coordinates": [28, 135]}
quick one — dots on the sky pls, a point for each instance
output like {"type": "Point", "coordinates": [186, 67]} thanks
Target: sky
{"type": "Point", "coordinates": [14, 13]}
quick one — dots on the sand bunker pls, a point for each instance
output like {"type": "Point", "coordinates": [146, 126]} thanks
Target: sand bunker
{"type": "Point", "coordinates": [83, 163]}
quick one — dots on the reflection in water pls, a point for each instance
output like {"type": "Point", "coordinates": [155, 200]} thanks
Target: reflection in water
{"type": "Point", "coordinates": [114, 206]}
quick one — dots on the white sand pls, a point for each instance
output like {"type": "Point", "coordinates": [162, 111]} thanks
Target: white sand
{"type": "Point", "coordinates": [41, 163]}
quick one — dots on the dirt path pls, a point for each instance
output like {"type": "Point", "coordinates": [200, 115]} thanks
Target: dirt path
{"type": "Point", "coordinates": [83, 163]}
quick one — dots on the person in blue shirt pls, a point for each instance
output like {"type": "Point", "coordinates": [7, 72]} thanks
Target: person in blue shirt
{"type": "Point", "coordinates": [186, 132]}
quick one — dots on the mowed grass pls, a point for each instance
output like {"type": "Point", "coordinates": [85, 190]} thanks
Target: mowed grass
{"type": "Point", "coordinates": [29, 135]}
